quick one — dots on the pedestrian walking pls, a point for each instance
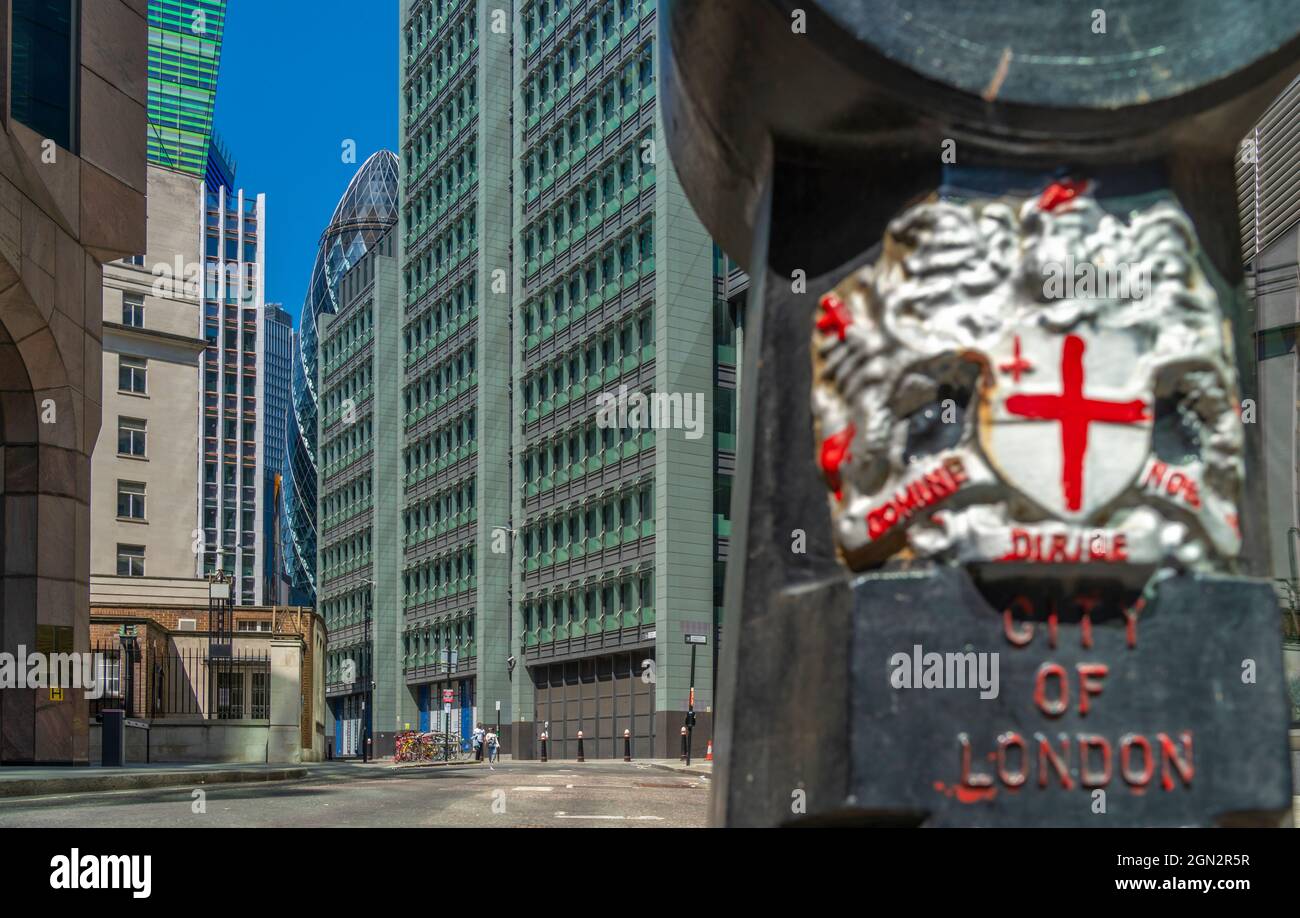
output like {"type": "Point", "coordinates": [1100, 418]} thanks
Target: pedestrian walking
{"type": "Point", "coordinates": [493, 747]}
{"type": "Point", "coordinates": [479, 733]}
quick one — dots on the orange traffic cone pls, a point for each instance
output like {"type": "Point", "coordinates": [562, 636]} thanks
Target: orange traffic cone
{"type": "Point", "coordinates": [708, 753]}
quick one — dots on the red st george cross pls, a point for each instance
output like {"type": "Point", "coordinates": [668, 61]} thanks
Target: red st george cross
{"type": "Point", "coordinates": [1074, 412]}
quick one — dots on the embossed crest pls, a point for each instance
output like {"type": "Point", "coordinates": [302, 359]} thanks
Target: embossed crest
{"type": "Point", "coordinates": [1030, 383]}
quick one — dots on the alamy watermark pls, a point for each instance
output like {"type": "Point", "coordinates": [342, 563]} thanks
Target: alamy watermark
{"type": "Point", "coordinates": [652, 411]}
{"type": "Point", "coordinates": [1085, 280]}
{"type": "Point", "coordinates": [954, 670]}
{"type": "Point", "coordinates": [23, 670]}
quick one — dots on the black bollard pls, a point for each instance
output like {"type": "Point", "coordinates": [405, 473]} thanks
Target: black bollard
{"type": "Point", "coordinates": [627, 745]}
{"type": "Point", "coordinates": [581, 757]}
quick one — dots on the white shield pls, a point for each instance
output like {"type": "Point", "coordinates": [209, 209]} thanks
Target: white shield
{"type": "Point", "coordinates": [1067, 418]}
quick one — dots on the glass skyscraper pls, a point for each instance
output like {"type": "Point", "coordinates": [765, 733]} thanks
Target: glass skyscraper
{"type": "Point", "coordinates": [277, 373]}
{"type": "Point", "coordinates": [184, 57]}
{"type": "Point", "coordinates": [366, 211]}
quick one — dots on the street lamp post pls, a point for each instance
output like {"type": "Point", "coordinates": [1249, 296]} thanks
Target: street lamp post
{"type": "Point", "coordinates": [694, 640]}
{"type": "Point", "coordinates": [369, 683]}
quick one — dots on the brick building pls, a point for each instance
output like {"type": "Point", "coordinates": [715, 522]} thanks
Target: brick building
{"type": "Point", "coordinates": [171, 640]}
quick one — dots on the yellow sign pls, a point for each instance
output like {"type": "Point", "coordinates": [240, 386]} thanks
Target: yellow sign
{"type": "Point", "coordinates": [56, 694]}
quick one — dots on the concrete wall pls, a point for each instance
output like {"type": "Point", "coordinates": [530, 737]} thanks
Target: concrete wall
{"type": "Point", "coordinates": [206, 741]}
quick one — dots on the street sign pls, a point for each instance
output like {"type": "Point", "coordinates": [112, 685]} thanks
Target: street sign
{"type": "Point", "coordinates": [446, 708]}
{"type": "Point", "coordinates": [697, 639]}
{"type": "Point", "coordinates": [498, 706]}
{"type": "Point", "coordinates": [447, 696]}
{"type": "Point", "coordinates": [56, 694]}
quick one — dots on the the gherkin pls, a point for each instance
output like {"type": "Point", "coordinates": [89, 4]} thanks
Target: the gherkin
{"type": "Point", "coordinates": [366, 211]}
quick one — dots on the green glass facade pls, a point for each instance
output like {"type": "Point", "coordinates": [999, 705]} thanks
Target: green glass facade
{"type": "Point", "coordinates": [550, 564]}
{"type": "Point", "coordinates": [184, 57]}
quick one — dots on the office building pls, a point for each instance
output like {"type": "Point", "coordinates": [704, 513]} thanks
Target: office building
{"type": "Point", "coordinates": [554, 564]}
{"type": "Point", "coordinates": [277, 373]}
{"type": "Point", "coordinates": [367, 209]}
{"type": "Point", "coordinates": [231, 497]}
{"type": "Point", "coordinates": [184, 57]}
{"type": "Point", "coordinates": [360, 525]}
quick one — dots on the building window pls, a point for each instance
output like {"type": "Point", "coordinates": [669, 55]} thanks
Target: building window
{"type": "Point", "coordinates": [131, 434]}
{"type": "Point", "coordinates": [132, 375]}
{"type": "Point", "coordinates": [130, 500]}
{"type": "Point", "coordinates": [130, 560]}
{"type": "Point", "coordinates": [43, 68]}
{"type": "Point", "coordinates": [133, 310]}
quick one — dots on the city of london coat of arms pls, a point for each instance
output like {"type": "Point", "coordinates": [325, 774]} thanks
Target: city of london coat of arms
{"type": "Point", "coordinates": [1029, 384]}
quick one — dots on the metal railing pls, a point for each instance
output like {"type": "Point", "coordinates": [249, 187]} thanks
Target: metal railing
{"type": "Point", "coordinates": [184, 682]}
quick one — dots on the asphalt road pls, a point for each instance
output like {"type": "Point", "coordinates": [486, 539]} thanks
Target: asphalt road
{"type": "Point", "coordinates": [515, 795]}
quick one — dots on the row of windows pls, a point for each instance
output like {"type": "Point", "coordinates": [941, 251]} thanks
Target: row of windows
{"type": "Point", "coordinates": [592, 520]}
{"type": "Point", "coordinates": [214, 248]}
{"type": "Point", "coordinates": [628, 594]}
{"type": "Point", "coordinates": [592, 357]}
{"type": "Point", "coordinates": [424, 645]}
{"type": "Point", "coordinates": [456, 42]}
{"type": "Point", "coordinates": [453, 305]}
{"type": "Point", "coordinates": [599, 196]}
{"type": "Point", "coordinates": [426, 18]}
{"type": "Point", "coordinates": [346, 554]}
{"type": "Point", "coordinates": [442, 377]}
{"type": "Point", "coordinates": [342, 336]}
{"type": "Point", "coordinates": [600, 23]}
{"type": "Point", "coordinates": [634, 82]}
{"type": "Point", "coordinates": [230, 427]}
{"type": "Point", "coordinates": [446, 187]}
{"type": "Point", "coordinates": [352, 387]}
{"type": "Point", "coordinates": [346, 608]}
{"type": "Point", "coordinates": [357, 491]}
{"type": "Point", "coordinates": [564, 452]}
{"type": "Point", "coordinates": [453, 569]}
{"type": "Point", "coordinates": [445, 504]}
{"type": "Point", "coordinates": [453, 435]}
{"type": "Point", "coordinates": [345, 447]}
{"type": "Point", "coordinates": [450, 245]}
{"type": "Point", "coordinates": [454, 113]}
{"type": "Point", "coordinates": [249, 474]}
{"type": "Point", "coordinates": [248, 517]}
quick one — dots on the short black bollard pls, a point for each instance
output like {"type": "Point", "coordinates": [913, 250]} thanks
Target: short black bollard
{"type": "Point", "coordinates": [627, 745]}
{"type": "Point", "coordinates": [581, 757]}
{"type": "Point", "coordinates": [543, 746]}
{"type": "Point", "coordinates": [683, 743]}
{"type": "Point", "coordinates": [113, 738]}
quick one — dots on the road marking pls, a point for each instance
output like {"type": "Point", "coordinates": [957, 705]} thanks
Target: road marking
{"type": "Point", "coordinates": [534, 787]}
{"type": "Point", "coordinates": [563, 815]}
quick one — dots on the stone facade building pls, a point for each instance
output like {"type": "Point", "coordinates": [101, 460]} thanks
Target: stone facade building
{"type": "Point", "coordinates": [72, 197]}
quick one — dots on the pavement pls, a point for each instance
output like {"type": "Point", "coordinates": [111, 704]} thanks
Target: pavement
{"type": "Point", "coordinates": [597, 793]}
{"type": "Point", "coordinates": [26, 781]}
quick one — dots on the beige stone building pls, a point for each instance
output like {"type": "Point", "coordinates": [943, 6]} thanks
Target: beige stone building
{"type": "Point", "coordinates": [146, 466]}
{"type": "Point", "coordinates": [72, 197]}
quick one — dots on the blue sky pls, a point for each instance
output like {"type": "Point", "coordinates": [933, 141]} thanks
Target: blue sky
{"type": "Point", "coordinates": [297, 80]}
